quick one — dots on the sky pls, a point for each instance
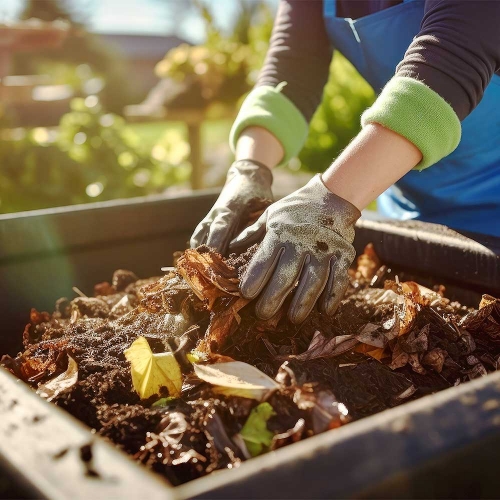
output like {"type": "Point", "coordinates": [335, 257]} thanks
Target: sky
{"type": "Point", "coordinates": [139, 16]}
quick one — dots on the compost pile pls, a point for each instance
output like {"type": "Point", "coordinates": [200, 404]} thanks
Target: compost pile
{"type": "Point", "coordinates": [178, 372]}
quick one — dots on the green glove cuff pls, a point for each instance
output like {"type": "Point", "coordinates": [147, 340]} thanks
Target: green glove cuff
{"type": "Point", "coordinates": [413, 110]}
{"type": "Point", "coordinates": [267, 107]}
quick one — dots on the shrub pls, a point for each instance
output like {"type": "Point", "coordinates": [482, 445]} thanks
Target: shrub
{"type": "Point", "coordinates": [93, 156]}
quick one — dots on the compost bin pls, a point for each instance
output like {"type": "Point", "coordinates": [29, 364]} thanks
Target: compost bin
{"type": "Point", "coordinates": [443, 445]}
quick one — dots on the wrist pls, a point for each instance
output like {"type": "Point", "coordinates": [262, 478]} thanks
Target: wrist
{"type": "Point", "coordinates": [254, 171]}
{"type": "Point", "coordinates": [370, 164]}
{"type": "Point", "coordinates": [259, 145]}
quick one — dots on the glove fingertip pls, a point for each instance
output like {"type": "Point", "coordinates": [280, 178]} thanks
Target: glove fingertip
{"type": "Point", "coordinates": [247, 288]}
{"type": "Point", "coordinates": [331, 306]}
{"type": "Point", "coordinates": [265, 310]}
{"type": "Point", "coordinates": [298, 315]}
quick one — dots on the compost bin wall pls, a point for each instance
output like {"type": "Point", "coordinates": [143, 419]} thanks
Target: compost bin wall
{"type": "Point", "coordinates": [412, 450]}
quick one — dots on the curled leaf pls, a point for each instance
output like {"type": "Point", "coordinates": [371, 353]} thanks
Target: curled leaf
{"type": "Point", "coordinates": [150, 372]}
{"type": "Point", "coordinates": [322, 347]}
{"type": "Point", "coordinates": [208, 275]}
{"type": "Point", "coordinates": [64, 381]}
{"type": "Point", "coordinates": [399, 357]}
{"type": "Point", "coordinates": [237, 379]}
{"type": "Point", "coordinates": [215, 283]}
{"type": "Point", "coordinates": [435, 359]}
{"type": "Point", "coordinates": [486, 319]}
{"type": "Point", "coordinates": [368, 263]}
{"type": "Point", "coordinates": [255, 433]}
{"type": "Point", "coordinates": [224, 322]}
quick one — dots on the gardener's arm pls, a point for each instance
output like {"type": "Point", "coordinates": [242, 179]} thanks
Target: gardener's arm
{"type": "Point", "coordinates": [273, 122]}
{"type": "Point", "coordinates": [414, 122]}
{"type": "Point", "coordinates": [439, 82]}
{"type": "Point", "coordinates": [307, 236]}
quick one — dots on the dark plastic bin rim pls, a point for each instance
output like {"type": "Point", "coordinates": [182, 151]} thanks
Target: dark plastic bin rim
{"type": "Point", "coordinates": [395, 421]}
{"type": "Point", "coordinates": [118, 203]}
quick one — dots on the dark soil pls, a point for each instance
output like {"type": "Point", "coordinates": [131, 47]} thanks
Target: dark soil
{"type": "Point", "coordinates": [191, 436]}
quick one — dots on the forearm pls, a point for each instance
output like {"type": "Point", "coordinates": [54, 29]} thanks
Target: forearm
{"type": "Point", "coordinates": [256, 143]}
{"type": "Point", "coordinates": [290, 84]}
{"type": "Point", "coordinates": [372, 162]}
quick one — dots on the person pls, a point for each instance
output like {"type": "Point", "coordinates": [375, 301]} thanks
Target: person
{"type": "Point", "coordinates": [429, 147]}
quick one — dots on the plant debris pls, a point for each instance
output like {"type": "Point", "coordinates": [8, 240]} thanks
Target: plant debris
{"type": "Point", "coordinates": [178, 371]}
{"type": "Point", "coordinates": [234, 378]}
{"type": "Point", "coordinates": [64, 381]}
{"type": "Point", "coordinates": [150, 372]}
{"type": "Point", "coordinates": [255, 434]}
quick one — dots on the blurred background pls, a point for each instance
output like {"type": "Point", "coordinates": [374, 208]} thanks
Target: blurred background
{"type": "Point", "coordinates": [106, 99]}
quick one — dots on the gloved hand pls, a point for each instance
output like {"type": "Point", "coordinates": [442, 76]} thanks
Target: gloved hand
{"type": "Point", "coordinates": [308, 238]}
{"type": "Point", "coordinates": [247, 181]}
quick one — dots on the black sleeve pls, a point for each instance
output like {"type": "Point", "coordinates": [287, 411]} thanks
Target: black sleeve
{"type": "Point", "coordinates": [299, 54]}
{"type": "Point", "coordinates": [457, 51]}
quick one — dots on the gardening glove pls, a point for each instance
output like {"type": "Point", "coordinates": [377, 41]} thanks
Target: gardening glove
{"type": "Point", "coordinates": [307, 240]}
{"type": "Point", "coordinates": [247, 182]}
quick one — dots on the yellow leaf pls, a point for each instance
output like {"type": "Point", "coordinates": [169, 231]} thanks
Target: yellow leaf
{"type": "Point", "coordinates": [150, 372]}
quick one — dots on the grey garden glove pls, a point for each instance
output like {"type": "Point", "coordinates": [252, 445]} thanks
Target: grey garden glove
{"type": "Point", "coordinates": [248, 182]}
{"type": "Point", "coordinates": [308, 239]}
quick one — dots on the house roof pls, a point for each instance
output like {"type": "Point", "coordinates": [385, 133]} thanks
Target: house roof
{"type": "Point", "coordinates": [148, 47]}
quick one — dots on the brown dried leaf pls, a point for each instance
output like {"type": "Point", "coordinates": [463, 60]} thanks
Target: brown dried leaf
{"type": "Point", "coordinates": [370, 334]}
{"type": "Point", "coordinates": [409, 303]}
{"type": "Point", "coordinates": [435, 359]}
{"type": "Point", "coordinates": [322, 347]}
{"type": "Point", "coordinates": [224, 321]}
{"type": "Point", "coordinates": [208, 275]}
{"type": "Point", "coordinates": [477, 371]}
{"type": "Point", "coordinates": [414, 342]}
{"type": "Point", "coordinates": [399, 357]}
{"type": "Point", "coordinates": [486, 319]}
{"type": "Point", "coordinates": [368, 263]}
{"type": "Point", "coordinates": [414, 362]}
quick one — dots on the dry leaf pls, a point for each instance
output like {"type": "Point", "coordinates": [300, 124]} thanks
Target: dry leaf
{"type": "Point", "coordinates": [371, 335]}
{"type": "Point", "coordinates": [224, 321]}
{"type": "Point", "coordinates": [377, 353]}
{"type": "Point", "coordinates": [208, 275]}
{"type": "Point", "coordinates": [237, 379]}
{"type": "Point", "coordinates": [64, 381]}
{"type": "Point", "coordinates": [487, 318]}
{"type": "Point", "coordinates": [435, 359]}
{"type": "Point", "coordinates": [216, 284]}
{"type": "Point", "coordinates": [150, 372]}
{"type": "Point", "coordinates": [322, 347]}
{"type": "Point", "coordinates": [368, 263]}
